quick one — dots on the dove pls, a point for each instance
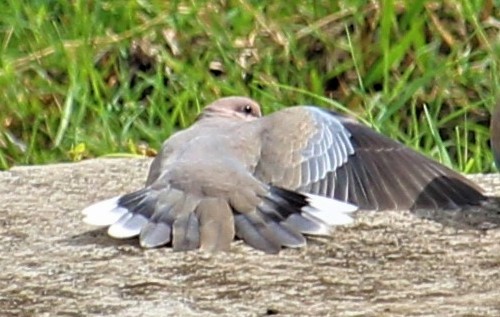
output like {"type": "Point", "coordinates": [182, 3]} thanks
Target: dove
{"type": "Point", "coordinates": [272, 180]}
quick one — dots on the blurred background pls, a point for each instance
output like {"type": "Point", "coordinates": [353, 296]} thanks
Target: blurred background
{"type": "Point", "coordinates": [83, 79]}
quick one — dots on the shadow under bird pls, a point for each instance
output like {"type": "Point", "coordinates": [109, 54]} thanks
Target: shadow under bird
{"type": "Point", "coordinates": [272, 180]}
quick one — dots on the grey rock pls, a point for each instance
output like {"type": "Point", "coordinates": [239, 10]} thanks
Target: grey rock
{"type": "Point", "coordinates": [386, 264]}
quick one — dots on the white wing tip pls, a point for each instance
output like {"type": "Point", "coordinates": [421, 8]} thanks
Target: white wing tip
{"type": "Point", "coordinates": [330, 211]}
{"type": "Point", "coordinates": [110, 203]}
{"type": "Point", "coordinates": [103, 213]}
{"type": "Point", "coordinates": [128, 226]}
{"type": "Point", "coordinates": [325, 203]}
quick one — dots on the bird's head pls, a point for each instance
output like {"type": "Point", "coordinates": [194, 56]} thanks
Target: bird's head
{"type": "Point", "coordinates": [239, 108]}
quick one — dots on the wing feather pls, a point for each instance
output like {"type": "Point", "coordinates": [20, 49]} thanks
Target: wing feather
{"type": "Point", "coordinates": [338, 157]}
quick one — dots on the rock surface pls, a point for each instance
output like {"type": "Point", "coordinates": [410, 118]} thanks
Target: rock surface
{"type": "Point", "coordinates": [386, 264]}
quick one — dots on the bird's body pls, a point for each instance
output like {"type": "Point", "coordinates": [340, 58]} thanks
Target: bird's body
{"type": "Point", "coordinates": [270, 180]}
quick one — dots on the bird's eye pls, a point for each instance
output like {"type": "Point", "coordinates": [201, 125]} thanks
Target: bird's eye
{"type": "Point", "coordinates": [247, 109]}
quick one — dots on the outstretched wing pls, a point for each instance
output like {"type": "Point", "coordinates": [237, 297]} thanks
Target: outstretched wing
{"type": "Point", "coordinates": [321, 152]}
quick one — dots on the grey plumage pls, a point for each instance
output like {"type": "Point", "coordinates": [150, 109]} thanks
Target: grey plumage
{"type": "Point", "coordinates": [270, 180]}
{"type": "Point", "coordinates": [340, 158]}
{"type": "Point", "coordinates": [201, 192]}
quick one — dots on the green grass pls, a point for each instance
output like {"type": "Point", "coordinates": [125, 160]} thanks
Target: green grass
{"type": "Point", "coordinates": [82, 79]}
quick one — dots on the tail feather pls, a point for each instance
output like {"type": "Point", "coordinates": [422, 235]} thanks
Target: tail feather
{"type": "Point", "coordinates": [281, 219]}
{"type": "Point", "coordinates": [284, 216]}
{"type": "Point", "coordinates": [125, 215]}
{"type": "Point", "coordinates": [132, 199]}
{"type": "Point", "coordinates": [186, 232]}
{"type": "Point", "coordinates": [155, 234]}
{"type": "Point", "coordinates": [323, 211]}
{"type": "Point", "coordinates": [255, 231]}
{"type": "Point", "coordinates": [104, 213]}
{"type": "Point", "coordinates": [288, 235]}
{"type": "Point", "coordinates": [128, 226]}
{"type": "Point", "coordinates": [216, 224]}
{"type": "Point", "coordinates": [140, 202]}
{"type": "Point", "coordinates": [158, 231]}
{"type": "Point", "coordinates": [331, 211]}
{"type": "Point", "coordinates": [307, 226]}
